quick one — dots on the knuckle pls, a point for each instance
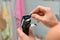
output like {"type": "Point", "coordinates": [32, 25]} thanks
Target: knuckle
{"type": "Point", "coordinates": [38, 6]}
{"type": "Point", "coordinates": [49, 8]}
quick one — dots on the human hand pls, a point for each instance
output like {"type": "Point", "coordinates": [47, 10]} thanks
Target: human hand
{"type": "Point", "coordinates": [45, 15]}
{"type": "Point", "coordinates": [23, 36]}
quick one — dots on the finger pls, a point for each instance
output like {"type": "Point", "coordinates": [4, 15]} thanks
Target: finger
{"type": "Point", "coordinates": [31, 35]}
{"type": "Point", "coordinates": [30, 32]}
{"type": "Point", "coordinates": [37, 17]}
{"type": "Point", "coordinates": [19, 38]}
{"type": "Point", "coordinates": [21, 34]}
{"type": "Point", "coordinates": [37, 9]}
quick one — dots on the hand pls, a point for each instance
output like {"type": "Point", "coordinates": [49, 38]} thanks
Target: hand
{"type": "Point", "coordinates": [45, 15]}
{"type": "Point", "coordinates": [23, 36]}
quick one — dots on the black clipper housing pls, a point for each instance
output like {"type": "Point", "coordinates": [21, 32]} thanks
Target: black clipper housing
{"type": "Point", "coordinates": [26, 23]}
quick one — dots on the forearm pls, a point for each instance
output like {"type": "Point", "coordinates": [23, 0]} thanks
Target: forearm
{"type": "Point", "coordinates": [54, 24]}
{"type": "Point", "coordinates": [58, 24]}
{"type": "Point", "coordinates": [54, 33]}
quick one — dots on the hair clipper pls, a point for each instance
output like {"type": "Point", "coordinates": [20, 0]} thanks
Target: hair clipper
{"type": "Point", "coordinates": [26, 23]}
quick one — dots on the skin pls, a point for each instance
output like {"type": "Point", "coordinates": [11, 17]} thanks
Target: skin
{"type": "Point", "coordinates": [23, 36]}
{"type": "Point", "coordinates": [54, 33]}
{"type": "Point", "coordinates": [47, 17]}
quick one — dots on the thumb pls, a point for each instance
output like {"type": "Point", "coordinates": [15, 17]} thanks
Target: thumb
{"type": "Point", "coordinates": [21, 34]}
{"type": "Point", "coordinates": [31, 33]}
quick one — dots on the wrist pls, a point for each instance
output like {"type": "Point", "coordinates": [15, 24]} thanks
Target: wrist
{"type": "Point", "coordinates": [56, 23]}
